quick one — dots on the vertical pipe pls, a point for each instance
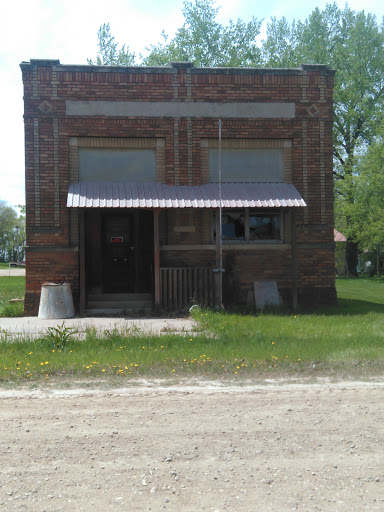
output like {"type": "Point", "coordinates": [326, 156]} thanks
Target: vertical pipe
{"type": "Point", "coordinates": [82, 261]}
{"type": "Point", "coordinates": [100, 241]}
{"type": "Point", "coordinates": [294, 262]}
{"type": "Point", "coordinates": [217, 269]}
{"type": "Point", "coordinates": [156, 247]}
{"type": "Point", "coordinates": [219, 235]}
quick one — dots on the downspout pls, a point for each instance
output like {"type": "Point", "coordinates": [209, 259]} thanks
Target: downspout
{"type": "Point", "coordinates": [219, 241]}
{"type": "Point", "coordinates": [294, 260]}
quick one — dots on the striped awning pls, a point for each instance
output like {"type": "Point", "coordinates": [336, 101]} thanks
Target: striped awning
{"type": "Point", "coordinates": [160, 195]}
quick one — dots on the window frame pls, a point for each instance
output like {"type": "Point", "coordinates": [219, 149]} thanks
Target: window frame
{"type": "Point", "coordinates": [247, 212]}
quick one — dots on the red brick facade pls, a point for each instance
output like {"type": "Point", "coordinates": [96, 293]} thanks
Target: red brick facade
{"type": "Point", "coordinates": [54, 132]}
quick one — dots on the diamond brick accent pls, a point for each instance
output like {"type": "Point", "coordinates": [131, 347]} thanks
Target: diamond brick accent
{"type": "Point", "coordinates": [45, 107]}
{"type": "Point", "coordinates": [313, 111]}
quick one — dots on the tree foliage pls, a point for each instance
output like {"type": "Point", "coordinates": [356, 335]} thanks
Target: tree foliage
{"type": "Point", "coordinates": [12, 233]}
{"type": "Point", "coordinates": [201, 40]}
{"type": "Point", "coordinates": [279, 49]}
{"type": "Point", "coordinates": [353, 44]}
{"type": "Point", "coordinates": [109, 53]}
{"type": "Point", "coordinates": [367, 212]}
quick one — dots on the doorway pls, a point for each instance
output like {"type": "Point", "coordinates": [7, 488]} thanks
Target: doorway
{"type": "Point", "coordinates": [119, 251]}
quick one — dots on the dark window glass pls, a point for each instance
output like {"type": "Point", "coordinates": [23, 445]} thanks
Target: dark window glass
{"type": "Point", "coordinates": [264, 227]}
{"type": "Point", "coordinates": [233, 226]}
{"type": "Point", "coordinates": [249, 226]}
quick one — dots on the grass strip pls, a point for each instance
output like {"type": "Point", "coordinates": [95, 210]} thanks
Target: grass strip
{"type": "Point", "coordinates": [227, 345]}
{"type": "Point", "coordinates": [11, 287]}
{"type": "Point", "coordinates": [348, 338]}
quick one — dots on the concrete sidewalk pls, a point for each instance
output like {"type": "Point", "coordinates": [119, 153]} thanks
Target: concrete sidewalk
{"type": "Point", "coordinates": [34, 327]}
{"type": "Point", "coordinates": [6, 272]}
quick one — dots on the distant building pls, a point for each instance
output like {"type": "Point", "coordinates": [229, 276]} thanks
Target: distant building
{"type": "Point", "coordinates": [338, 237]}
{"type": "Point", "coordinates": [122, 183]}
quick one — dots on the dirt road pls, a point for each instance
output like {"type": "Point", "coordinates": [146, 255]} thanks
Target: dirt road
{"type": "Point", "coordinates": [229, 448]}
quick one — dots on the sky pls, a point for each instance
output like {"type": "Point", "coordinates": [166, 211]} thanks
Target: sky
{"type": "Point", "coordinates": [67, 30]}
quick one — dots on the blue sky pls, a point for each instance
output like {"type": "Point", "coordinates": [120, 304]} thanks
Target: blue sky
{"type": "Point", "coordinates": [67, 30]}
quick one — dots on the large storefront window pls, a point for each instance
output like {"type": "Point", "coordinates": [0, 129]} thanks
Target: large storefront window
{"type": "Point", "coordinates": [249, 226]}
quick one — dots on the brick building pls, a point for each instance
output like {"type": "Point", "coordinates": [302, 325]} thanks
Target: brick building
{"type": "Point", "coordinates": [122, 188]}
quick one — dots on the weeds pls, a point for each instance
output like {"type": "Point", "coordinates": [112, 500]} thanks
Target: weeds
{"type": "Point", "coordinates": [60, 336]}
{"type": "Point", "coordinates": [12, 310]}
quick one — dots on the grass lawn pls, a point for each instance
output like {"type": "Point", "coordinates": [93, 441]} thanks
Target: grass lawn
{"type": "Point", "coordinates": [11, 288]}
{"type": "Point", "coordinates": [362, 295]}
{"type": "Point", "coordinates": [343, 341]}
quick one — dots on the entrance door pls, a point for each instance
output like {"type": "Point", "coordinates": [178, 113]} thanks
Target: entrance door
{"type": "Point", "coordinates": [118, 250]}
{"type": "Point", "coordinates": [127, 252]}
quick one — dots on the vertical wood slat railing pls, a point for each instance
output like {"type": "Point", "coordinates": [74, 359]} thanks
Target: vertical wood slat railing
{"type": "Point", "coordinates": [181, 286]}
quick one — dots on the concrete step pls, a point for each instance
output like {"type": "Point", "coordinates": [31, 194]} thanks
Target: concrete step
{"type": "Point", "coordinates": [120, 304]}
{"type": "Point", "coordinates": [115, 311]}
{"type": "Point", "coordinates": [119, 297]}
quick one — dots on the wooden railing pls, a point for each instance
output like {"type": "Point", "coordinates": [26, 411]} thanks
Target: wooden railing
{"type": "Point", "coordinates": [183, 286]}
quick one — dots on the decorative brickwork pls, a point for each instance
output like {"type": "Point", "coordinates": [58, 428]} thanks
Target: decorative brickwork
{"type": "Point", "coordinates": [322, 172]}
{"type": "Point", "coordinates": [72, 107]}
{"type": "Point", "coordinates": [305, 168]}
{"type": "Point", "coordinates": [176, 145]}
{"type": "Point", "coordinates": [36, 152]}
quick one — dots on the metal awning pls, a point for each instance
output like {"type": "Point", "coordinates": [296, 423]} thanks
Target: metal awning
{"type": "Point", "coordinates": [160, 195]}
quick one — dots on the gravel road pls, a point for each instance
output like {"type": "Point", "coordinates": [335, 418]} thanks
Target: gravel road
{"type": "Point", "coordinates": [211, 447]}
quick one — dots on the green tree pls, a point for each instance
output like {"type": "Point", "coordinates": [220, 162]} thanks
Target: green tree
{"type": "Point", "coordinates": [279, 49]}
{"type": "Point", "coordinates": [109, 53]}
{"type": "Point", "coordinates": [353, 44]}
{"type": "Point", "coordinates": [12, 233]}
{"type": "Point", "coordinates": [205, 42]}
{"type": "Point", "coordinates": [201, 40]}
{"type": "Point", "coordinates": [367, 213]}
